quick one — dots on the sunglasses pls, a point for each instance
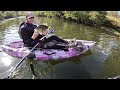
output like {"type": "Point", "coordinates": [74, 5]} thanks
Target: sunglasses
{"type": "Point", "coordinates": [31, 18]}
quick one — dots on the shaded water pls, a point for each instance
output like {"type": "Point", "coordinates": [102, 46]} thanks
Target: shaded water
{"type": "Point", "coordinates": [102, 61]}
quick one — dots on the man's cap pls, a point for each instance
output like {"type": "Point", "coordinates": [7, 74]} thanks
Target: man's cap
{"type": "Point", "coordinates": [29, 15]}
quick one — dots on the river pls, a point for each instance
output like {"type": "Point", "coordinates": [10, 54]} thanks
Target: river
{"type": "Point", "coordinates": [101, 62]}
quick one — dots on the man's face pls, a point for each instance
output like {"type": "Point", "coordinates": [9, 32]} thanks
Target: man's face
{"type": "Point", "coordinates": [30, 20]}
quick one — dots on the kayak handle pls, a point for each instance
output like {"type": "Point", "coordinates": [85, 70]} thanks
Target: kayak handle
{"type": "Point", "coordinates": [49, 53]}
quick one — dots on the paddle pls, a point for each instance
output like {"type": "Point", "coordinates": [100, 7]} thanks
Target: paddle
{"type": "Point", "coordinates": [33, 72]}
{"type": "Point", "coordinates": [8, 76]}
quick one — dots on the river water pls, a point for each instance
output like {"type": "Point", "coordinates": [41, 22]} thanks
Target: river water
{"type": "Point", "coordinates": [101, 62]}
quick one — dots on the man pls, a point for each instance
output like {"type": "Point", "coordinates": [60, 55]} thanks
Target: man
{"type": "Point", "coordinates": [31, 36]}
{"type": "Point", "coordinates": [27, 31]}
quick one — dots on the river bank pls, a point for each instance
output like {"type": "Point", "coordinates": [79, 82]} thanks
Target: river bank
{"type": "Point", "coordinates": [10, 15]}
{"type": "Point", "coordinates": [102, 20]}
{"type": "Point", "coordinates": [8, 19]}
{"type": "Point", "coordinates": [98, 19]}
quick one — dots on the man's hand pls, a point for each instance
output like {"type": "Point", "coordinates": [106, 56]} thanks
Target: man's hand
{"type": "Point", "coordinates": [35, 34]}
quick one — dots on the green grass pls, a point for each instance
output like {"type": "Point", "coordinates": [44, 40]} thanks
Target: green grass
{"type": "Point", "coordinates": [114, 20]}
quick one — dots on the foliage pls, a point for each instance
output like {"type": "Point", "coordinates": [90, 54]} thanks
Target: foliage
{"type": "Point", "coordinates": [97, 17]}
{"type": "Point", "coordinates": [1, 15]}
{"type": "Point", "coordinates": [91, 17]}
{"type": "Point", "coordinates": [10, 14]}
{"type": "Point", "coordinates": [94, 18]}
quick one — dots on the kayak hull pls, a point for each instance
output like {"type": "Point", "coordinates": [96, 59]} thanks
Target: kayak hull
{"type": "Point", "coordinates": [17, 49]}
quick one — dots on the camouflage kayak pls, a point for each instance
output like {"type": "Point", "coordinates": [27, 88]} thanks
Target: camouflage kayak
{"type": "Point", "coordinates": [17, 49]}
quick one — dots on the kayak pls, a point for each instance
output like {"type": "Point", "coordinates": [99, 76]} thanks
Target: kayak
{"type": "Point", "coordinates": [18, 50]}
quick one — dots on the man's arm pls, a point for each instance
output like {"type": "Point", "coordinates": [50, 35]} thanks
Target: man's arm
{"type": "Point", "coordinates": [26, 37]}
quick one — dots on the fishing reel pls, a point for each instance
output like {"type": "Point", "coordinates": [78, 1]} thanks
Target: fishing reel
{"type": "Point", "coordinates": [51, 30]}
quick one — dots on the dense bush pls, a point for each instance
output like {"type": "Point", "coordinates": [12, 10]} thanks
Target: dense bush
{"type": "Point", "coordinates": [97, 18]}
{"type": "Point", "coordinates": [10, 14]}
{"type": "Point", "coordinates": [94, 18]}
{"type": "Point", "coordinates": [1, 15]}
{"type": "Point", "coordinates": [89, 17]}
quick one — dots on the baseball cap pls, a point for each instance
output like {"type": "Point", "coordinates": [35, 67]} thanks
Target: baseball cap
{"type": "Point", "coordinates": [29, 15]}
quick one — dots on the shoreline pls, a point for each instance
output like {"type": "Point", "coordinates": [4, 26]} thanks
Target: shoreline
{"type": "Point", "coordinates": [5, 20]}
{"type": "Point", "coordinates": [107, 29]}
{"type": "Point", "coordinates": [99, 19]}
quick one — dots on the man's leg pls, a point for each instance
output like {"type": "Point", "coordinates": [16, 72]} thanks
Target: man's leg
{"type": "Point", "coordinates": [54, 37]}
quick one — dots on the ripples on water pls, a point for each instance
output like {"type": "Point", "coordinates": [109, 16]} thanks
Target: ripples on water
{"type": "Point", "coordinates": [101, 62]}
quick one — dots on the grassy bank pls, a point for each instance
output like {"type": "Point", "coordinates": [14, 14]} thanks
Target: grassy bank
{"type": "Point", "coordinates": [10, 14]}
{"type": "Point", "coordinates": [99, 19]}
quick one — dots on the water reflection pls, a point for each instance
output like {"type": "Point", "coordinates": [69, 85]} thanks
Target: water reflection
{"type": "Point", "coordinates": [45, 69]}
{"type": "Point", "coordinates": [5, 61]}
